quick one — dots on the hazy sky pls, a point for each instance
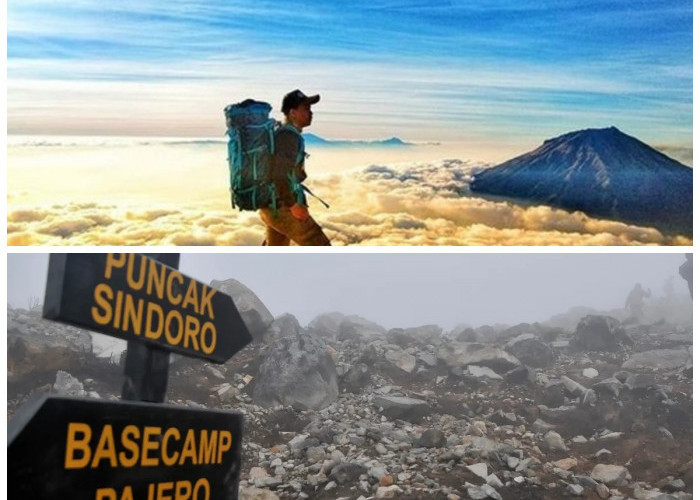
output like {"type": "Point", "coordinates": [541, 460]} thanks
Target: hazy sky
{"type": "Point", "coordinates": [408, 289]}
{"type": "Point", "coordinates": [465, 70]}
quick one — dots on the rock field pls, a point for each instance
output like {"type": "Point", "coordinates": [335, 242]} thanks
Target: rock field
{"type": "Point", "coordinates": [344, 409]}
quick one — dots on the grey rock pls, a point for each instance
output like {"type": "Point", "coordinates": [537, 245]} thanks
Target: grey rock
{"type": "Point", "coordinates": [588, 398]}
{"type": "Point", "coordinates": [554, 441]}
{"type": "Point", "coordinates": [572, 386]}
{"type": "Point", "coordinates": [296, 371]}
{"type": "Point", "coordinates": [356, 327]}
{"type": "Point", "coordinates": [215, 372]}
{"type": "Point", "coordinates": [519, 375]}
{"type": "Point", "coordinates": [426, 334]}
{"type": "Point", "coordinates": [480, 469]}
{"type": "Point", "coordinates": [427, 359]}
{"type": "Point", "coordinates": [35, 346]}
{"type": "Point", "coordinates": [326, 325]}
{"type": "Point", "coordinates": [347, 472]}
{"type": "Point", "coordinates": [401, 360]}
{"type": "Point", "coordinates": [661, 359]}
{"type": "Point", "coordinates": [315, 454]}
{"type": "Point", "coordinates": [465, 334]}
{"type": "Point", "coordinates": [477, 493]}
{"type": "Point", "coordinates": [640, 382]}
{"type": "Point", "coordinates": [482, 372]}
{"type": "Point", "coordinates": [608, 386]}
{"type": "Point", "coordinates": [255, 315]}
{"type": "Point", "coordinates": [611, 475]}
{"type": "Point", "coordinates": [392, 491]}
{"type": "Point", "coordinates": [67, 385]}
{"type": "Point", "coordinates": [575, 489]}
{"type": "Point", "coordinates": [398, 336]}
{"type": "Point", "coordinates": [491, 492]}
{"type": "Point", "coordinates": [285, 325]}
{"type": "Point", "coordinates": [377, 472]}
{"type": "Point", "coordinates": [491, 357]}
{"type": "Point", "coordinates": [674, 485]}
{"type": "Point", "coordinates": [432, 438]}
{"type": "Point", "coordinates": [586, 481]}
{"type": "Point", "coordinates": [357, 378]}
{"type": "Point", "coordinates": [599, 333]}
{"type": "Point", "coordinates": [602, 490]}
{"type": "Point", "coordinates": [404, 408]}
{"type": "Point", "coordinates": [530, 350]}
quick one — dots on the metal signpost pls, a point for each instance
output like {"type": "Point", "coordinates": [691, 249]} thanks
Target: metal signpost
{"type": "Point", "coordinates": [82, 448]}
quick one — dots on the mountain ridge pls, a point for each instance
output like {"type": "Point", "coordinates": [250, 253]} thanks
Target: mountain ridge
{"type": "Point", "coordinates": [316, 140]}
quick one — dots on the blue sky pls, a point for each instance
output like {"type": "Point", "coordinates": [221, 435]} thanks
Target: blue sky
{"type": "Point", "coordinates": [423, 70]}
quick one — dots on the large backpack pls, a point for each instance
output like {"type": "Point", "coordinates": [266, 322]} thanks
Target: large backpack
{"type": "Point", "coordinates": [251, 144]}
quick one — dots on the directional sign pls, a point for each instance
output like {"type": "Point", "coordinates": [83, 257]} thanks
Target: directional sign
{"type": "Point", "coordinates": [133, 297]}
{"type": "Point", "coordinates": [110, 450]}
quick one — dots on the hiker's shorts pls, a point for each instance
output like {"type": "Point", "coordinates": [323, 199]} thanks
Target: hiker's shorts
{"type": "Point", "coordinates": [282, 227]}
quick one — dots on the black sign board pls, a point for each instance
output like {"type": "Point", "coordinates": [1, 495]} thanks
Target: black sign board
{"type": "Point", "coordinates": [109, 450]}
{"type": "Point", "coordinates": [134, 297]}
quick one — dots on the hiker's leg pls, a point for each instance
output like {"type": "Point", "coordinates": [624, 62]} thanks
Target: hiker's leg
{"type": "Point", "coordinates": [274, 237]}
{"type": "Point", "coordinates": [309, 233]}
{"type": "Point", "coordinates": [306, 233]}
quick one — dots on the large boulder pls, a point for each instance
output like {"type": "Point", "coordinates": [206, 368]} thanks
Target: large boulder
{"type": "Point", "coordinates": [401, 359]}
{"type": "Point", "coordinates": [459, 354]}
{"type": "Point", "coordinates": [326, 325]}
{"type": "Point", "coordinates": [662, 359]}
{"type": "Point", "coordinates": [399, 337]}
{"type": "Point", "coordinates": [530, 350]}
{"type": "Point", "coordinates": [426, 334]}
{"type": "Point", "coordinates": [254, 313]}
{"type": "Point", "coordinates": [341, 327]}
{"type": "Point", "coordinates": [515, 331]}
{"type": "Point", "coordinates": [356, 378]}
{"type": "Point", "coordinates": [296, 371]}
{"type": "Point", "coordinates": [401, 407]}
{"type": "Point", "coordinates": [285, 325]}
{"type": "Point", "coordinates": [599, 333]}
{"type": "Point", "coordinates": [466, 334]}
{"type": "Point", "coordinates": [357, 327]}
{"type": "Point", "coordinates": [492, 357]}
{"type": "Point", "coordinates": [35, 345]}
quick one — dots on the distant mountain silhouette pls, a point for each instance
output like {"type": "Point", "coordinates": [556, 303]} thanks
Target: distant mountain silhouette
{"type": "Point", "coordinates": [602, 172]}
{"type": "Point", "coordinates": [315, 140]}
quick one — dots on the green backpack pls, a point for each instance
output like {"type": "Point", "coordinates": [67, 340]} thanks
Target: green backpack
{"type": "Point", "coordinates": [251, 144]}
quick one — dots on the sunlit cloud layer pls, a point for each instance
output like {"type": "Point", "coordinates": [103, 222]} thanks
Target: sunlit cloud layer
{"type": "Point", "coordinates": [407, 204]}
{"type": "Point", "coordinates": [464, 71]}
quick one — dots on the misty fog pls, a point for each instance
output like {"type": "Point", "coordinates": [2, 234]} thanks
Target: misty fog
{"type": "Point", "coordinates": [407, 289]}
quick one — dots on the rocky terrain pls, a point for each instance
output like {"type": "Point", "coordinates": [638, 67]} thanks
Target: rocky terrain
{"type": "Point", "coordinates": [344, 408]}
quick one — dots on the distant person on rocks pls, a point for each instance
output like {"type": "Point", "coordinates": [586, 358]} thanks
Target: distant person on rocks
{"type": "Point", "coordinates": [635, 301]}
{"type": "Point", "coordinates": [291, 220]}
{"type": "Point", "coordinates": [686, 272]}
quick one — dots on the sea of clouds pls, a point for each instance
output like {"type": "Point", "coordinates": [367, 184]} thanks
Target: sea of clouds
{"type": "Point", "coordinates": [419, 203]}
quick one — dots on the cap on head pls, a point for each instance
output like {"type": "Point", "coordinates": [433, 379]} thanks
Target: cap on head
{"type": "Point", "coordinates": [295, 98]}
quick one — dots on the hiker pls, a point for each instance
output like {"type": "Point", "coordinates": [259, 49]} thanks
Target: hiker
{"type": "Point", "coordinates": [290, 221]}
{"type": "Point", "coordinates": [635, 301]}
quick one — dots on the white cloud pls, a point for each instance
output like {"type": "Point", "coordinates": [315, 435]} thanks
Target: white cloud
{"type": "Point", "coordinates": [407, 204]}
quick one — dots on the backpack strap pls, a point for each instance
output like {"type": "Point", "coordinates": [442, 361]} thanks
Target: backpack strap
{"type": "Point", "coordinates": [296, 187]}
